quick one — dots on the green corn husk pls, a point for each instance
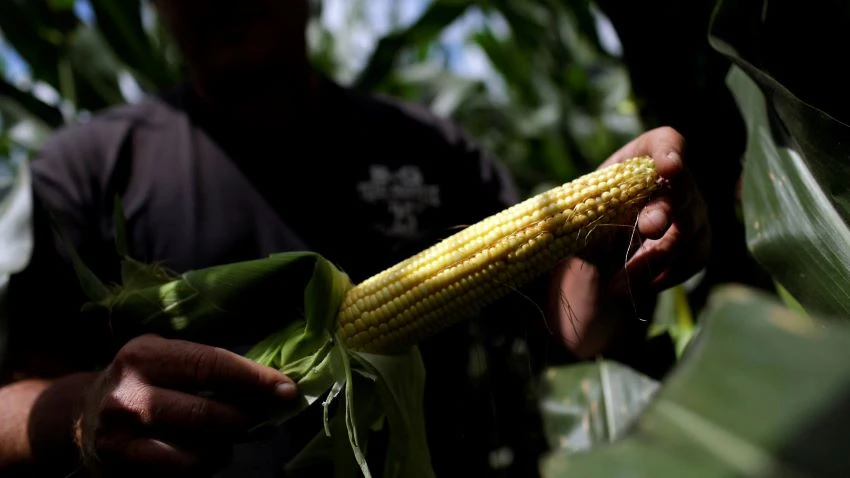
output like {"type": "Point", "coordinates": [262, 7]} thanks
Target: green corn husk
{"type": "Point", "coordinates": [304, 290]}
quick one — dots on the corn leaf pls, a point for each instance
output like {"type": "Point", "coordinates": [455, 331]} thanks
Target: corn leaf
{"type": "Point", "coordinates": [591, 404]}
{"type": "Point", "coordinates": [400, 382]}
{"type": "Point", "coordinates": [206, 304]}
{"type": "Point", "coordinates": [796, 196]}
{"type": "Point", "coordinates": [303, 291]}
{"type": "Point", "coordinates": [379, 390]}
{"type": "Point", "coordinates": [35, 33]}
{"type": "Point", "coordinates": [202, 305]}
{"type": "Point", "coordinates": [90, 284]}
{"type": "Point", "coordinates": [305, 350]}
{"type": "Point", "coordinates": [18, 105]}
{"type": "Point", "coordinates": [15, 232]}
{"type": "Point", "coordinates": [122, 26]}
{"type": "Point", "coordinates": [94, 65]}
{"type": "Point", "coordinates": [389, 48]}
{"type": "Point", "coordinates": [760, 392]}
{"type": "Point", "coordinates": [673, 316]}
{"type": "Point", "coordinates": [23, 128]}
{"type": "Point", "coordinates": [796, 225]}
{"type": "Point", "coordinates": [333, 445]}
{"type": "Point", "coordinates": [15, 217]}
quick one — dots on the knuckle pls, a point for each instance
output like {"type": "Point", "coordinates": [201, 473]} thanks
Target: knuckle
{"type": "Point", "coordinates": [137, 402]}
{"type": "Point", "coordinates": [136, 352]}
{"type": "Point", "coordinates": [665, 249]}
{"type": "Point", "coordinates": [111, 404]}
{"type": "Point", "coordinates": [128, 399]}
{"type": "Point", "coordinates": [201, 362]}
{"type": "Point", "coordinates": [128, 357]}
{"type": "Point", "coordinates": [670, 132]}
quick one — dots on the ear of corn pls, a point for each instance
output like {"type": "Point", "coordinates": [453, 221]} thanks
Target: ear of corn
{"type": "Point", "coordinates": [454, 279]}
{"type": "Point", "coordinates": [385, 314]}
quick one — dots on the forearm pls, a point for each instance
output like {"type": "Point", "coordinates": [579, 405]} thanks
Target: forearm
{"type": "Point", "coordinates": [591, 319]}
{"type": "Point", "coordinates": [572, 309]}
{"type": "Point", "coordinates": [37, 420]}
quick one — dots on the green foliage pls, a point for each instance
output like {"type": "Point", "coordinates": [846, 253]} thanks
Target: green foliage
{"type": "Point", "coordinates": [796, 222]}
{"type": "Point", "coordinates": [552, 104]}
{"type": "Point", "coordinates": [556, 117]}
{"type": "Point", "coordinates": [15, 237]}
{"type": "Point", "coordinates": [795, 195]}
{"type": "Point", "coordinates": [564, 105]}
{"type": "Point", "coordinates": [673, 316]}
{"type": "Point", "coordinates": [83, 64]}
{"type": "Point", "coordinates": [759, 393]}
{"type": "Point", "coordinates": [759, 390]}
{"type": "Point", "coordinates": [591, 404]}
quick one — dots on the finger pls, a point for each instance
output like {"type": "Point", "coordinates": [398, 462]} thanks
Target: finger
{"type": "Point", "coordinates": [640, 272]}
{"type": "Point", "coordinates": [677, 225]}
{"type": "Point", "coordinates": [171, 411]}
{"type": "Point", "coordinates": [688, 263]}
{"type": "Point", "coordinates": [681, 203]}
{"type": "Point", "coordinates": [655, 218]}
{"type": "Point", "coordinates": [126, 456]}
{"type": "Point", "coordinates": [186, 365]}
{"type": "Point", "coordinates": [662, 263]}
{"type": "Point", "coordinates": [665, 145]}
{"type": "Point", "coordinates": [159, 454]}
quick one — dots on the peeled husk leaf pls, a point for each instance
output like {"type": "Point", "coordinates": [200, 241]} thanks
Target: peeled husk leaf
{"type": "Point", "coordinates": [303, 290]}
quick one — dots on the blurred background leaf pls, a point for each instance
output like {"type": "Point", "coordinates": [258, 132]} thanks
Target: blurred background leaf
{"type": "Point", "coordinates": [673, 316]}
{"type": "Point", "coordinates": [591, 404]}
{"type": "Point", "coordinates": [760, 393]}
{"type": "Point", "coordinates": [15, 224]}
{"type": "Point", "coordinates": [531, 82]}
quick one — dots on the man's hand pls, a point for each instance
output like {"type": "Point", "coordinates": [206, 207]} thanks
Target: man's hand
{"type": "Point", "coordinates": [594, 293]}
{"type": "Point", "coordinates": [147, 414]}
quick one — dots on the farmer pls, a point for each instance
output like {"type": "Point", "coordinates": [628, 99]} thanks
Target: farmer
{"type": "Point", "coordinates": [259, 154]}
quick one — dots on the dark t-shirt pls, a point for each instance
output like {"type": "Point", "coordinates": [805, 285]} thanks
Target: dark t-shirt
{"type": "Point", "coordinates": [366, 181]}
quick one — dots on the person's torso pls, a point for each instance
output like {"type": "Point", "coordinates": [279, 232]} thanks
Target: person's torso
{"type": "Point", "coordinates": [364, 191]}
{"type": "Point", "coordinates": [365, 185]}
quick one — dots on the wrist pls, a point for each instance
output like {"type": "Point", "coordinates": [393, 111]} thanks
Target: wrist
{"type": "Point", "coordinates": [53, 427]}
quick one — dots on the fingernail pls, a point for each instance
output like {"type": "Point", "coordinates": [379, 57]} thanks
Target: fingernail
{"type": "Point", "coordinates": [674, 164]}
{"type": "Point", "coordinates": [674, 156]}
{"type": "Point", "coordinates": [286, 390]}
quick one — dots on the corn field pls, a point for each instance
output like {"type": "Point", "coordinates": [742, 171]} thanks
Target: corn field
{"type": "Point", "coordinates": [552, 88]}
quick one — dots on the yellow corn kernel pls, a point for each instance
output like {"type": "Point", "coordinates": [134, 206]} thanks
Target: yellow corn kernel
{"type": "Point", "coordinates": [473, 268]}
